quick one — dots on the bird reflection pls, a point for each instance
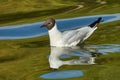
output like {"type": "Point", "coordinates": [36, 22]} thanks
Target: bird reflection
{"type": "Point", "coordinates": [86, 56]}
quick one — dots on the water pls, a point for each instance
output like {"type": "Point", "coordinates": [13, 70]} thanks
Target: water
{"type": "Point", "coordinates": [34, 30]}
{"type": "Point", "coordinates": [107, 48]}
{"type": "Point", "coordinates": [62, 74]}
{"type": "Point", "coordinates": [86, 55]}
{"type": "Point", "coordinates": [65, 56]}
{"type": "Point", "coordinates": [57, 54]}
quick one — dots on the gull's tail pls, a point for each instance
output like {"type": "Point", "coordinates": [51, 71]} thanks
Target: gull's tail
{"type": "Point", "coordinates": [95, 22]}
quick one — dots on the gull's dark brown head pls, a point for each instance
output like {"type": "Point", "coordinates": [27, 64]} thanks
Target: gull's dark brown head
{"type": "Point", "coordinates": [49, 24]}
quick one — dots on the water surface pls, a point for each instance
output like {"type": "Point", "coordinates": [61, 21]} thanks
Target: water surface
{"type": "Point", "coordinates": [62, 74]}
{"type": "Point", "coordinates": [107, 48]}
{"type": "Point", "coordinates": [74, 56]}
{"type": "Point", "coordinates": [79, 56]}
{"type": "Point", "coordinates": [34, 30]}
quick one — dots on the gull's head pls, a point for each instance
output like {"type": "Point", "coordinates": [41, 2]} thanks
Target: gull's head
{"type": "Point", "coordinates": [49, 24]}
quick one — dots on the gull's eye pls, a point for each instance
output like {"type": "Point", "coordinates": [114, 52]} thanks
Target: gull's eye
{"type": "Point", "coordinates": [49, 23]}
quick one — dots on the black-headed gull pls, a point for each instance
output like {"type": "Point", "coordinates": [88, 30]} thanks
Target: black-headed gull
{"type": "Point", "coordinates": [71, 37]}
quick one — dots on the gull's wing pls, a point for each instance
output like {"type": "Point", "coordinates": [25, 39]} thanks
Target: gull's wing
{"type": "Point", "coordinates": [76, 36]}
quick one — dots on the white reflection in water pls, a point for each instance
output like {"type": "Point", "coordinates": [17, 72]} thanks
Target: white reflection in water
{"type": "Point", "coordinates": [86, 56]}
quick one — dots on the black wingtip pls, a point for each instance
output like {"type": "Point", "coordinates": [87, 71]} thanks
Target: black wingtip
{"type": "Point", "coordinates": [99, 19]}
{"type": "Point", "coordinates": [96, 22]}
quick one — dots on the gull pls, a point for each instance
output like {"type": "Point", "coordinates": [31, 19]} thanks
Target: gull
{"type": "Point", "coordinates": [69, 38]}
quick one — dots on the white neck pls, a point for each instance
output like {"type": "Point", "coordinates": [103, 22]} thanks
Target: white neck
{"type": "Point", "coordinates": [53, 29]}
{"type": "Point", "coordinates": [55, 35]}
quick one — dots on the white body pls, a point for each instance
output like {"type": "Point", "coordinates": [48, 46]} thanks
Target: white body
{"type": "Point", "coordinates": [69, 38]}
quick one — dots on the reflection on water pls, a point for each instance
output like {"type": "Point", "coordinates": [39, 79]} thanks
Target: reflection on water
{"type": "Point", "coordinates": [73, 56]}
{"type": "Point", "coordinates": [106, 48]}
{"type": "Point", "coordinates": [85, 57]}
{"type": "Point", "coordinates": [33, 30]}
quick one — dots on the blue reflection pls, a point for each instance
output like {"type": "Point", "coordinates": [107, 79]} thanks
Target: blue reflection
{"type": "Point", "coordinates": [62, 74]}
{"type": "Point", "coordinates": [34, 30]}
{"type": "Point", "coordinates": [107, 48]}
